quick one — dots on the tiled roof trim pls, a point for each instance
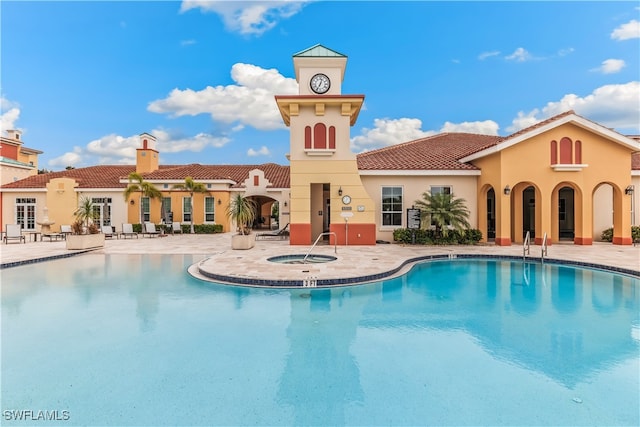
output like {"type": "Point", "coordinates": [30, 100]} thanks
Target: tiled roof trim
{"type": "Point", "coordinates": [109, 176]}
{"type": "Point", "coordinates": [437, 152]}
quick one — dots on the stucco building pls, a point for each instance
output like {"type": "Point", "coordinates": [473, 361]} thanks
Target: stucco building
{"type": "Point", "coordinates": [567, 177]}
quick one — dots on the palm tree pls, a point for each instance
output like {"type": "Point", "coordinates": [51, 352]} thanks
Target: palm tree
{"type": "Point", "coordinates": [443, 211]}
{"type": "Point", "coordinates": [191, 187]}
{"type": "Point", "coordinates": [243, 211]}
{"type": "Point", "coordinates": [146, 189]}
{"type": "Point", "coordinates": [85, 215]}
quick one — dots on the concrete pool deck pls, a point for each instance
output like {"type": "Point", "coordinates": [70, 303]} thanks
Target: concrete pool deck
{"type": "Point", "coordinates": [353, 261]}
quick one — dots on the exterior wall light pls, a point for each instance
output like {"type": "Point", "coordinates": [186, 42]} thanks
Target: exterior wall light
{"type": "Point", "coordinates": [629, 190]}
{"type": "Point", "coordinates": [132, 202]}
{"type": "Point", "coordinates": [340, 191]}
{"type": "Point", "coordinates": [507, 190]}
{"type": "Point", "coordinates": [285, 203]}
{"type": "Point", "coordinates": [219, 201]}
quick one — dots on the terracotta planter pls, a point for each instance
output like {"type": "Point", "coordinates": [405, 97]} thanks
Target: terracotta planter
{"type": "Point", "coordinates": [85, 241]}
{"type": "Point", "coordinates": [239, 241]}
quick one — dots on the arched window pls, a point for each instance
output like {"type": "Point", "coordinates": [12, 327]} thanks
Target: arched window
{"type": "Point", "coordinates": [320, 136]}
{"type": "Point", "coordinates": [332, 137]}
{"type": "Point", "coordinates": [566, 151]}
{"type": "Point", "coordinates": [307, 137]}
{"type": "Point", "coordinates": [578, 152]}
{"type": "Point", "coordinates": [554, 152]}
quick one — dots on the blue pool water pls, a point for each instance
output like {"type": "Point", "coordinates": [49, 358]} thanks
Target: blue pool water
{"type": "Point", "coordinates": [134, 340]}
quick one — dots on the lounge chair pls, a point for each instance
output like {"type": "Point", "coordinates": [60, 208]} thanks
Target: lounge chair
{"type": "Point", "coordinates": [65, 230]}
{"type": "Point", "coordinates": [13, 232]}
{"type": "Point", "coordinates": [176, 227]}
{"type": "Point", "coordinates": [108, 232]}
{"type": "Point", "coordinates": [282, 234]}
{"type": "Point", "coordinates": [150, 230]}
{"type": "Point", "coordinates": [127, 231]}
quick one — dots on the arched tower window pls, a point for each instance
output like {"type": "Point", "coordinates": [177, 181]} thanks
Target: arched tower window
{"type": "Point", "coordinates": [332, 137]}
{"type": "Point", "coordinates": [578, 152]}
{"type": "Point", "coordinates": [320, 136]}
{"type": "Point", "coordinates": [307, 137]}
{"type": "Point", "coordinates": [554, 152]}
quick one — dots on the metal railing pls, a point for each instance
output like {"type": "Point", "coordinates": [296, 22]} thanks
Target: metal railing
{"type": "Point", "coordinates": [335, 242]}
{"type": "Point", "coordinates": [526, 246]}
{"type": "Point", "coordinates": [544, 249]}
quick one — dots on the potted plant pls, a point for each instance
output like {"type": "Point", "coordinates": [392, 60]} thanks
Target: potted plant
{"type": "Point", "coordinates": [242, 211]}
{"type": "Point", "coordinates": [85, 234]}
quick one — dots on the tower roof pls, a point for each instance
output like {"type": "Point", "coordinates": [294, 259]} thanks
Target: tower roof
{"type": "Point", "coordinates": [318, 51]}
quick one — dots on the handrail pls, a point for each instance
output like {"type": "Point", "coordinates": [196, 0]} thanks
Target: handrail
{"type": "Point", "coordinates": [335, 242]}
{"type": "Point", "coordinates": [544, 249]}
{"type": "Point", "coordinates": [526, 246]}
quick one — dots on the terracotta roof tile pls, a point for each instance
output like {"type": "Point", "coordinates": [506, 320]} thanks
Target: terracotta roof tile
{"type": "Point", "coordinates": [106, 176]}
{"type": "Point", "coordinates": [437, 152]}
{"type": "Point", "coordinates": [635, 161]}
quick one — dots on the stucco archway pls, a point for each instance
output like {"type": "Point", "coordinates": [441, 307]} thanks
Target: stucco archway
{"type": "Point", "coordinates": [567, 213]}
{"type": "Point", "coordinates": [526, 212]}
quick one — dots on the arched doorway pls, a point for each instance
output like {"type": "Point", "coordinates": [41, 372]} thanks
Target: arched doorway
{"type": "Point", "coordinates": [264, 220]}
{"type": "Point", "coordinates": [491, 214]}
{"type": "Point", "coordinates": [566, 214]}
{"type": "Point", "coordinates": [529, 211]}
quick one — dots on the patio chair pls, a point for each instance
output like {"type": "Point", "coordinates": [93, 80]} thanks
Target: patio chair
{"type": "Point", "coordinates": [108, 232]}
{"type": "Point", "coordinates": [176, 227]}
{"type": "Point", "coordinates": [150, 230]}
{"type": "Point", "coordinates": [13, 232]}
{"type": "Point", "coordinates": [127, 231]}
{"type": "Point", "coordinates": [282, 234]}
{"type": "Point", "coordinates": [65, 230]}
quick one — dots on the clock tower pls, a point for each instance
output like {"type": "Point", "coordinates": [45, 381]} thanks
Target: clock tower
{"type": "Point", "coordinates": [327, 194]}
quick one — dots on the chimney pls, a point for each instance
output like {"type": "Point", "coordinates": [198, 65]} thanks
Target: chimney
{"type": "Point", "coordinates": [14, 134]}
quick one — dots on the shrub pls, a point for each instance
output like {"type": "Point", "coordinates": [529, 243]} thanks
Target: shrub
{"type": "Point", "coordinates": [204, 228]}
{"type": "Point", "coordinates": [429, 237]}
{"type": "Point", "coordinates": [607, 235]}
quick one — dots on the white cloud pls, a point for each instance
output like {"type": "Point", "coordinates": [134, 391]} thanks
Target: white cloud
{"type": "Point", "coordinates": [487, 127]}
{"type": "Point", "coordinates": [630, 30]}
{"type": "Point", "coordinates": [72, 158]}
{"type": "Point", "coordinates": [9, 114]}
{"type": "Point", "coordinates": [485, 55]}
{"type": "Point", "coordinates": [116, 149]}
{"type": "Point", "coordinates": [610, 66]}
{"type": "Point", "coordinates": [187, 42]}
{"type": "Point", "coordinates": [247, 17]}
{"type": "Point", "coordinates": [565, 52]}
{"type": "Point", "coordinates": [388, 132]}
{"type": "Point", "coordinates": [249, 102]}
{"type": "Point", "coordinates": [263, 151]}
{"type": "Point", "coordinates": [615, 106]}
{"type": "Point", "coordinates": [520, 55]}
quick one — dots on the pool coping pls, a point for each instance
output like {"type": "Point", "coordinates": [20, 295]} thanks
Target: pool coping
{"type": "Point", "coordinates": [312, 282]}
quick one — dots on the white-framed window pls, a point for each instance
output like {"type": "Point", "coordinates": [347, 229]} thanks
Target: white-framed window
{"type": "Point", "coordinates": [25, 213]}
{"type": "Point", "coordinates": [146, 209]}
{"type": "Point", "coordinates": [391, 207]}
{"type": "Point", "coordinates": [102, 210]}
{"type": "Point", "coordinates": [209, 209]}
{"type": "Point", "coordinates": [167, 216]}
{"type": "Point", "coordinates": [186, 209]}
{"type": "Point", "coordinates": [440, 189]}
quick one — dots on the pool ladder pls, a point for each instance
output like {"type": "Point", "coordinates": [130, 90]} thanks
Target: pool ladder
{"type": "Point", "coordinates": [335, 242]}
{"type": "Point", "coordinates": [526, 247]}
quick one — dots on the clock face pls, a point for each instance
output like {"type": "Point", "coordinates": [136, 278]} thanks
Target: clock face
{"type": "Point", "coordinates": [320, 83]}
{"type": "Point", "coordinates": [346, 200]}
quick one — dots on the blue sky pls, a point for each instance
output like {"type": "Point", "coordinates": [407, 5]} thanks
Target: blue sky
{"type": "Point", "coordinates": [83, 79]}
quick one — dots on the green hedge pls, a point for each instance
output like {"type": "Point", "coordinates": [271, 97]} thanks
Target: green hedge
{"type": "Point", "coordinates": [607, 235]}
{"type": "Point", "coordinates": [186, 228]}
{"type": "Point", "coordinates": [428, 237]}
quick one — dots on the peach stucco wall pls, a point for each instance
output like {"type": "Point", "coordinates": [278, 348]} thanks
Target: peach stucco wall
{"type": "Point", "coordinates": [529, 163]}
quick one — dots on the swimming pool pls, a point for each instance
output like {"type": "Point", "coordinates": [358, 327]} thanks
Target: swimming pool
{"type": "Point", "coordinates": [135, 340]}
